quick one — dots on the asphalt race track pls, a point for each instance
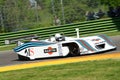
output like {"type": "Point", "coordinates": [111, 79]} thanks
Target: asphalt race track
{"type": "Point", "coordinates": [10, 58]}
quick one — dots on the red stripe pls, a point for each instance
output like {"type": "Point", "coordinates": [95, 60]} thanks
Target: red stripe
{"type": "Point", "coordinates": [83, 42]}
{"type": "Point", "coordinates": [109, 42]}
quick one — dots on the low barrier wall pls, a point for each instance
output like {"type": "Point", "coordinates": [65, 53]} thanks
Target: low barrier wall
{"type": "Point", "coordinates": [85, 28]}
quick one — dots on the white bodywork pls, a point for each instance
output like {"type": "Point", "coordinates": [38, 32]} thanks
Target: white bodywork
{"type": "Point", "coordinates": [69, 46]}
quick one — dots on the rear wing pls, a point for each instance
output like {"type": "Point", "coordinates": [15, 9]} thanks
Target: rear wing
{"type": "Point", "coordinates": [17, 39]}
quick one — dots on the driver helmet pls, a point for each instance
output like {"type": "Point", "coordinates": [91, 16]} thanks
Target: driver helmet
{"type": "Point", "coordinates": [58, 35]}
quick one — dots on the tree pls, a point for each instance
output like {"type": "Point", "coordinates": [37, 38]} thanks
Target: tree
{"type": "Point", "coordinates": [19, 15]}
{"type": "Point", "coordinates": [2, 27]}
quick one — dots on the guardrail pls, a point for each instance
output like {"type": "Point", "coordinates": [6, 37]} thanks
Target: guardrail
{"type": "Point", "coordinates": [85, 28]}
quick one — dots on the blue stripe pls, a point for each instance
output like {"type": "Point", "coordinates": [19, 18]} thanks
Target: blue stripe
{"type": "Point", "coordinates": [108, 39]}
{"type": "Point", "coordinates": [86, 44]}
{"type": "Point", "coordinates": [30, 44]}
{"type": "Point", "coordinates": [81, 43]}
{"type": "Point", "coordinates": [89, 45]}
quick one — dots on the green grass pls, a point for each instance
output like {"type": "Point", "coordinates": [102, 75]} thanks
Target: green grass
{"type": "Point", "coordinates": [113, 33]}
{"type": "Point", "coordinates": [108, 34]}
{"type": "Point", "coordinates": [89, 70]}
{"type": "Point", "coordinates": [7, 47]}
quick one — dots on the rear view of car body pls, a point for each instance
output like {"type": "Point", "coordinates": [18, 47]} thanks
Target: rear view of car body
{"type": "Point", "coordinates": [34, 50]}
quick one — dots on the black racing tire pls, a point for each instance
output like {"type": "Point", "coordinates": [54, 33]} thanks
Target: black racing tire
{"type": "Point", "coordinates": [74, 51]}
{"type": "Point", "coordinates": [21, 58]}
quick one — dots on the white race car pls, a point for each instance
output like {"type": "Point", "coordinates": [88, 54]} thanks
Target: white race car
{"type": "Point", "coordinates": [60, 45]}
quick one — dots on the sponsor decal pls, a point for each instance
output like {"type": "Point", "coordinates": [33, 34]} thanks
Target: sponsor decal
{"type": "Point", "coordinates": [95, 39]}
{"type": "Point", "coordinates": [98, 41]}
{"type": "Point", "coordinates": [102, 42]}
{"type": "Point", "coordinates": [60, 49]}
{"type": "Point", "coordinates": [50, 50]}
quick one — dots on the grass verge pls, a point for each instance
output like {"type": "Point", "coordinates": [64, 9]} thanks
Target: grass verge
{"type": "Point", "coordinates": [7, 47]}
{"type": "Point", "coordinates": [89, 70]}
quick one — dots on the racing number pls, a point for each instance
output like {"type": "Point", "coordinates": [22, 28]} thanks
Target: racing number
{"type": "Point", "coordinates": [29, 52]}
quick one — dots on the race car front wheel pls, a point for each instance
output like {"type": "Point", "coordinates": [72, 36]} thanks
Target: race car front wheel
{"type": "Point", "coordinates": [73, 49]}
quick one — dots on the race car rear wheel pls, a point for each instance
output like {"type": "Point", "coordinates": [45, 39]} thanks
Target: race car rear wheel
{"type": "Point", "coordinates": [22, 57]}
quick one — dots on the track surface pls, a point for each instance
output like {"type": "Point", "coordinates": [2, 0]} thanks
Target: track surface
{"type": "Point", "coordinates": [10, 58]}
